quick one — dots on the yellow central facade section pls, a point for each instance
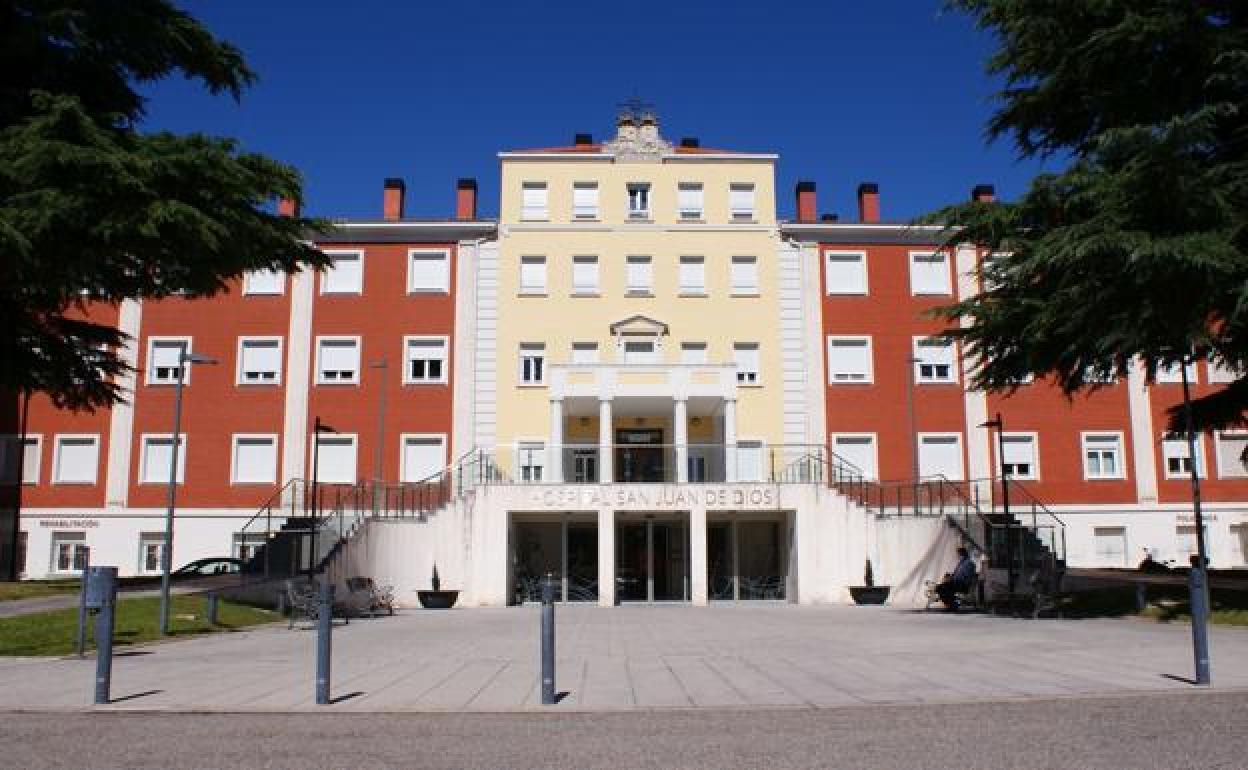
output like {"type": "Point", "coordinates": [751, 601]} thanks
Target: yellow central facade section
{"type": "Point", "coordinates": [541, 310]}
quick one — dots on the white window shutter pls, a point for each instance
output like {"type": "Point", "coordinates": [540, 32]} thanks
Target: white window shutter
{"type": "Point", "coordinates": [336, 460]}
{"type": "Point", "coordinates": [255, 460]}
{"type": "Point", "coordinates": [423, 457]}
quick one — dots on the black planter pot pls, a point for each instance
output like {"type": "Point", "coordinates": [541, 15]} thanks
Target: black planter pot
{"type": "Point", "coordinates": [437, 600]}
{"type": "Point", "coordinates": [869, 594]}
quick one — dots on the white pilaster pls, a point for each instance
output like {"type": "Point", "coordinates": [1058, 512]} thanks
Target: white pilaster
{"type": "Point", "coordinates": [697, 555]}
{"type": "Point", "coordinates": [680, 432]}
{"type": "Point", "coordinates": [730, 440]}
{"type": "Point", "coordinates": [1142, 439]}
{"type": "Point", "coordinates": [463, 360]}
{"type": "Point", "coordinates": [605, 454]}
{"type": "Point", "coordinates": [298, 375]}
{"type": "Point", "coordinates": [121, 418]}
{"type": "Point", "coordinates": [606, 557]}
{"type": "Point", "coordinates": [975, 403]}
{"type": "Point", "coordinates": [555, 447]}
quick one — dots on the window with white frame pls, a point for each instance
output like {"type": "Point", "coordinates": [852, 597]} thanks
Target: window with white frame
{"type": "Point", "coordinates": [585, 200]}
{"type": "Point", "coordinates": [531, 460]}
{"type": "Point", "coordinates": [639, 275]}
{"type": "Point", "coordinates": [532, 275]}
{"type": "Point", "coordinates": [70, 552]}
{"type": "Point", "coordinates": [750, 464]}
{"type": "Point", "coordinates": [746, 357]}
{"type": "Point", "coordinates": [940, 454]}
{"type": "Point", "coordinates": [253, 459]}
{"type": "Point", "coordinates": [585, 275]}
{"type": "Point", "coordinates": [858, 449]}
{"type": "Point", "coordinates": [335, 459]}
{"type": "Point", "coordinates": [1231, 447]}
{"type": "Point", "coordinates": [151, 552]}
{"type": "Point", "coordinates": [156, 456]}
{"type": "Point", "coordinates": [264, 282]}
{"type": "Point", "coordinates": [638, 200]}
{"type": "Point", "coordinates": [345, 275]}
{"type": "Point", "coordinates": [1221, 372]}
{"type": "Point", "coordinates": [1239, 540]}
{"type": "Point", "coordinates": [259, 360]}
{"type": "Point", "coordinates": [424, 456]}
{"type": "Point", "coordinates": [1111, 546]}
{"type": "Point", "coordinates": [693, 353]}
{"type": "Point", "coordinates": [428, 272]}
{"type": "Point", "coordinates": [1173, 373]}
{"type": "Point", "coordinates": [640, 352]}
{"type": "Point", "coordinates": [164, 360]}
{"type": "Point", "coordinates": [1188, 545]}
{"type": "Point", "coordinates": [246, 545]}
{"type": "Point", "coordinates": [849, 360]}
{"type": "Point", "coordinates": [13, 452]}
{"type": "Point", "coordinates": [745, 276]}
{"type": "Point", "coordinates": [1019, 456]}
{"type": "Point", "coordinates": [689, 200]}
{"type": "Point", "coordinates": [337, 360]}
{"type": "Point", "coordinates": [1177, 458]}
{"type": "Point", "coordinates": [1102, 456]}
{"type": "Point", "coordinates": [929, 273]}
{"type": "Point", "coordinates": [533, 201]}
{"type": "Point", "coordinates": [76, 459]}
{"type": "Point", "coordinates": [845, 272]}
{"type": "Point", "coordinates": [693, 276]}
{"type": "Point", "coordinates": [741, 201]}
{"type": "Point", "coordinates": [532, 363]}
{"type": "Point", "coordinates": [935, 360]}
{"type": "Point", "coordinates": [424, 360]}
{"type": "Point", "coordinates": [584, 353]}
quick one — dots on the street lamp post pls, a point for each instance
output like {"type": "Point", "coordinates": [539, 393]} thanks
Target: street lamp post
{"type": "Point", "coordinates": [913, 361]}
{"type": "Point", "coordinates": [185, 360]}
{"type": "Point", "coordinates": [318, 428]}
{"type": "Point", "coordinates": [999, 424]}
{"type": "Point", "coordinates": [378, 474]}
{"type": "Point", "coordinates": [1198, 584]}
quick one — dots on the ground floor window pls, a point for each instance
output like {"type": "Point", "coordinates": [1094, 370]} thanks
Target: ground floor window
{"type": "Point", "coordinates": [1111, 546]}
{"type": "Point", "coordinates": [1188, 544]}
{"type": "Point", "coordinates": [151, 552]}
{"type": "Point", "coordinates": [70, 552]}
{"type": "Point", "coordinates": [21, 553]}
{"type": "Point", "coordinates": [246, 545]}
{"type": "Point", "coordinates": [1239, 538]}
{"type": "Point", "coordinates": [746, 559]}
{"type": "Point", "coordinates": [652, 558]}
{"type": "Point", "coordinates": [565, 546]}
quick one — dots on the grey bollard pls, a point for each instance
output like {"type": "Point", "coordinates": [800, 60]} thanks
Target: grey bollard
{"type": "Point", "coordinates": [1200, 623]}
{"type": "Point", "coordinates": [101, 595]}
{"type": "Point", "coordinates": [1141, 597]}
{"type": "Point", "coordinates": [211, 610]}
{"type": "Point", "coordinates": [548, 640]}
{"type": "Point", "coordinates": [81, 639]}
{"type": "Point", "coordinates": [324, 641]}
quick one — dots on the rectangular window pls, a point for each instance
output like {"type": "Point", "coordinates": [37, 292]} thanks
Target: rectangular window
{"type": "Point", "coordinates": [424, 360]}
{"type": "Point", "coordinates": [77, 459]}
{"type": "Point", "coordinates": [1102, 456]}
{"type": "Point", "coordinates": [639, 201]}
{"type": "Point", "coordinates": [346, 275]}
{"type": "Point", "coordinates": [264, 282]}
{"type": "Point", "coordinates": [1188, 544]}
{"type": "Point", "coordinates": [585, 275]}
{"type": "Point", "coordinates": [335, 459]}
{"type": "Point", "coordinates": [164, 360]}
{"type": "Point", "coordinates": [750, 461]}
{"type": "Point", "coordinates": [531, 460]}
{"type": "Point", "coordinates": [693, 276]}
{"type": "Point", "coordinates": [935, 360]}
{"type": "Point", "coordinates": [693, 353]}
{"type": "Point", "coordinates": [849, 360]}
{"type": "Point", "coordinates": [254, 460]}
{"type": "Point", "coordinates": [1231, 448]}
{"type": "Point", "coordinates": [584, 353]}
{"type": "Point", "coordinates": [532, 275]}
{"type": "Point", "coordinates": [1177, 458]}
{"type": "Point", "coordinates": [1172, 373]}
{"type": "Point", "coordinates": [1221, 372]}
{"type": "Point", "coordinates": [151, 552]}
{"type": "Point", "coordinates": [157, 453]}
{"type": "Point", "coordinates": [741, 202]}
{"type": "Point", "coordinates": [845, 272]}
{"type": "Point", "coordinates": [639, 277]}
{"type": "Point", "coordinates": [689, 200]}
{"type": "Point", "coordinates": [747, 360]}
{"type": "Point", "coordinates": [27, 456]}
{"type": "Point", "coordinates": [337, 360]}
{"type": "Point", "coordinates": [532, 363]}
{"type": "Point", "coordinates": [424, 457]}
{"type": "Point", "coordinates": [857, 449]}
{"type": "Point", "coordinates": [745, 276]}
{"type": "Point", "coordinates": [533, 203]}
{"type": "Point", "coordinates": [69, 551]}
{"type": "Point", "coordinates": [1019, 455]}
{"type": "Point", "coordinates": [585, 200]}
{"type": "Point", "coordinates": [246, 545]}
{"type": "Point", "coordinates": [259, 360]}
{"type": "Point", "coordinates": [428, 272]}
{"type": "Point", "coordinates": [638, 352]}
{"type": "Point", "coordinates": [940, 454]}
{"type": "Point", "coordinates": [1111, 546]}
{"type": "Point", "coordinates": [929, 273]}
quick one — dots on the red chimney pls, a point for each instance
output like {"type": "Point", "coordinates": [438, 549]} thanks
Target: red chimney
{"type": "Point", "coordinates": [806, 208]}
{"type": "Point", "coordinates": [392, 198]}
{"type": "Point", "coordinates": [868, 202]}
{"type": "Point", "coordinates": [287, 207]}
{"type": "Point", "coordinates": [466, 200]}
{"type": "Point", "coordinates": [983, 193]}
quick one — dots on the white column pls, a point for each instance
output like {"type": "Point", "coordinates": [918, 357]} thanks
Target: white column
{"type": "Point", "coordinates": [121, 419]}
{"type": "Point", "coordinates": [605, 474]}
{"type": "Point", "coordinates": [697, 555]}
{"type": "Point", "coordinates": [1143, 442]}
{"type": "Point", "coordinates": [298, 375]}
{"type": "Point", "coordinates": [554, 448]}
{"type": "Point", "coordinates": [680, 431]}
{"type": "Point", "coordinates": [606, 557]}
{"type": "Point", "coordinates": [730, 440]}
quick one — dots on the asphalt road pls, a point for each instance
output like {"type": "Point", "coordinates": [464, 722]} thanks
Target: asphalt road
{"type": "Point", "coordinates": [1197, 730]}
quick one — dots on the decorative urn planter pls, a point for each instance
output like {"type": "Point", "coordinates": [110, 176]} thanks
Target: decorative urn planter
{"type": "Point", "coordinates": [437, 599]}
{"type": "Point", "coordinates": [869, 593]}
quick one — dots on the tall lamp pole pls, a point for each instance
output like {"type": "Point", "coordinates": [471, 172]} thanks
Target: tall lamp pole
{"type": "Point", "coordinates": [912, 362]}
{"type": "Point", "coordinates": [318, 428]}
{"type": "Point", "coordinates": [999, 424]}
{"type": "Point", "coordinates": [1198, 585]}
{"type": "Point", "coordinates": [185, 360]}
{"type": "Point", "coordinates": [378, 474]}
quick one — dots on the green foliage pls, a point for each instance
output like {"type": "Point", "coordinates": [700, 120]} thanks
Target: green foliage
{"type": "Point", "coordinates": [94, 211]}
{"type": "Point", "coordinates": [1137, 248]}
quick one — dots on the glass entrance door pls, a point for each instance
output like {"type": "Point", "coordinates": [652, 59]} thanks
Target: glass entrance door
{"type": "Point", "coordinates": [652, 559]}
{"type": "Point", "coordinates": [639, 456]}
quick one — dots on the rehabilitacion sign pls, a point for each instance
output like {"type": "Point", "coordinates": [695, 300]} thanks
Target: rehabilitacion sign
{"type": "Point", "coordinates": [661, 497]}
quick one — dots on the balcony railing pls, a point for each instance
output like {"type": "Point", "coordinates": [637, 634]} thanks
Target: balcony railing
{"type": "Point", "coordinates": [582, 463]}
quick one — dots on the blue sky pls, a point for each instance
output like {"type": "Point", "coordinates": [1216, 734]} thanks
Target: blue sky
{"type": "Point", "coordinates": [350, 93]}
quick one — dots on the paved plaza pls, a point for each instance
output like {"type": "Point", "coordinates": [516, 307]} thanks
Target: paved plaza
{"type": "Point", "coordinates": [643, 657]}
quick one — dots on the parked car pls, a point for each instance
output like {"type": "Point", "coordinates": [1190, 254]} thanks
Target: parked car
{"type": "Point", "coordinates": [220, 565]}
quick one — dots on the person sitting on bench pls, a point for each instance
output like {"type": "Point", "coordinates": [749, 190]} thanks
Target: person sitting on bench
{"type": "Point", "coordinates": [959, 581]}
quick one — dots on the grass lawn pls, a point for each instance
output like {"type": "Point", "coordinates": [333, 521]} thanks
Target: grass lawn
{"type": "Point", "coordinates": [33, 589]}
{"type": "Point", "coordinates": [1165, 604]}
{"type": "Point", "coordinates": [137, 620]}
